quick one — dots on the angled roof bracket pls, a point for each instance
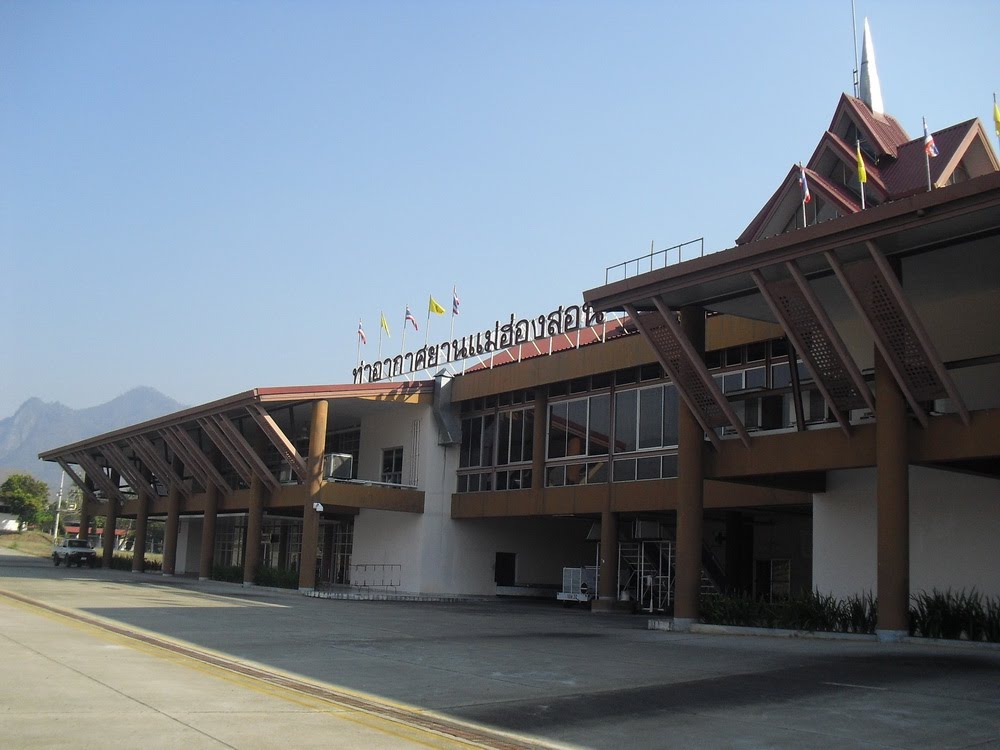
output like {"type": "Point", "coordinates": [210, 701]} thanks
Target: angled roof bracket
{"type": "Point", "coordinates": [96, 474]}
{"type": "Point", "coordinates": [156, 463]}
{"type": "Point", "coordinates": [77, 480]}
{"type": "Point", "coordinates": [245, 450]}
{"type": "Point", "coordinates": [117, 460]}
{"type": "Point", "coordinates": [919, 332]}
{"type": "Point", "coordinates": [239, 464]}
{"type": "Point", "coordinates": [772, 294]}
{"type": "Point", "coordinates": [278, 439]}
{"type": "Point", "coordinates": [194, 458]}
{"type": "Point", "coordinates": [855, 280]}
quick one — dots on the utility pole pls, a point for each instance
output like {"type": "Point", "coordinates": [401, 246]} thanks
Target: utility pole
{"type": "Point", "coordinates": [55, 526]}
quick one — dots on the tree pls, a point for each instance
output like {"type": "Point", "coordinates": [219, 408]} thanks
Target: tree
{"type": "Point", "coordinates": [26, 497]}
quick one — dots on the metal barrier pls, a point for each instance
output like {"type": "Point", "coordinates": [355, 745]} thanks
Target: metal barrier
{"type": "Point", "coordinates": [653, 260]}
{"type": "Point", "coordinates": [376, 575]}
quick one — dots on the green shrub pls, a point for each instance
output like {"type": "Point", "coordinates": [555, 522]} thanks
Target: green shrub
{"type": "Point", "coordinates": [227, 573]}
{"type": "Point", "coordinates": [946, 614]}
{"type": "Point", "coordinates": [812, 611]}
{"type": "Point", "coordinates": [277, 577]}
{"type": "Point", "coordinates": [859, 613]}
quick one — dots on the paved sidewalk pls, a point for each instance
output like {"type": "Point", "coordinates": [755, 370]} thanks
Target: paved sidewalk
{"type": "Point", "coordinates": [561, 675]}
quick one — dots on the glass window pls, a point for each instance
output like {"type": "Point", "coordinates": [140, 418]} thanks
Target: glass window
{"type": "Point", "coordinates": [558, 417]}
{"type": "Point", "coordinates": [651, 417]}
{"type": "Point", "coordinates": [504, 438]}
{"type": "Point", "coordinates": [624, 377]}
{"type": "Point", "coordinates": [756, 352]}
{"type": "Point", "coordinates": [599, 433]}
{"type": "Point", "coordinates": [556, 476]}
{"type": "Point", "coordinates": [516, 434]}
{"type": "Point", "coordinates": [650, 372]}
{"type": "Point", "coordinates": [558, 389]}
{"type": "Point", "coordinates": [597, 472]}
{"type": "Point", "coordinates": [501, 480]}
{"type": "Point", "coordinates": [781, 376]}
{"type": "Point", "coordinates": [528, 435]}
{"type": "Point", "coordinates": [669, 467]}
{"type": "Point", "coordinates": [463, 483]}
{"type": "Point", "coordinates": [756, 378]}
{"type": "Point", "coordinates": [779, 348]}
{"type": "Point", "coordinates": [579, 385]}
{"type": "Point", "coordinates": [625, 470]}
{"type": "Point", "coordinates": [713, 360]}
{"type": "Point", "coordinates": [576, 428]}
{"type": "Point", "coordinates": [576, 474]}
{"type": "Point", "coordinates": [734, 355]}
{"type": "Point", "coordinates": [669, 415]}
{"type": "Point", "coordinates": [625, 420]}
{"type": "Point", "coordinates": [648, 468]}
{"type": "Point", "coordinates": [489, 436]}
{"type": "Point", "coordinates": [392, 465]}
{"type": "Point", "coordinates": [601, 381]}
{"type": "Point", "coordinates": [732, 381]}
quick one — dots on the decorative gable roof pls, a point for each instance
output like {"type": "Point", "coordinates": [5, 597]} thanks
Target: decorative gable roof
{"type": "Point", "coordinates": [897, 170]}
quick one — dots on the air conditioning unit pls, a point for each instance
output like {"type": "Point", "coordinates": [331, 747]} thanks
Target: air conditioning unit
{"type": "Point", "coordinates": [338, 466]}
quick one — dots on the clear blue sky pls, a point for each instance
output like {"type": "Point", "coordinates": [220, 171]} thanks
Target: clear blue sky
{"type": "Point", "coordinates": [204, 197]}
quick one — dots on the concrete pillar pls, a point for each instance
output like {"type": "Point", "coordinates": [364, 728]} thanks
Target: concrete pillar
{"type": "Point", "coordinates": [141, 524]}
{"type": "Point", "coordinates": [110, 525]}
{"type": "Point", "coordinates": [173, 518]}
{"type": "Point", "coordinates": [310, 517]}
{"type": "Point", "coordinates": [893, 503]}
{"type": "Point", "coordinates": [690, 491]}
{"type": "Point", "coordinates": [208, 532]}
{"type": "Point", "coordinates": [538, 438]}
{"type": "Point", "coordinates": [607, 573]}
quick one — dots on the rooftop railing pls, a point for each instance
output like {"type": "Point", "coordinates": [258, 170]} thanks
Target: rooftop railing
{"type": "Point", "coordinates": [654, 260]}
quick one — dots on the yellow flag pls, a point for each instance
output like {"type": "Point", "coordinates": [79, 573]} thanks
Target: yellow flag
{"type": "Point", "coordinates": [434, 307]}
{"type": "Point", "coordinates": [996, 116]}
{"type": "Point", "coordinates": [385, 325]}
{"type": "Point", "coordinates": [862, 174]}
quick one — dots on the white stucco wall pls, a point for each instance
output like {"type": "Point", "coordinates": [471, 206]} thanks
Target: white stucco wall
{"type": "Point", "coordinates": [954, 527]}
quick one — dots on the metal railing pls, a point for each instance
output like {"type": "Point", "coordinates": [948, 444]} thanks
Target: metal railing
{"type": "Point", "coordinates": [654, 260]}
{"type": "Point", "coordinates": [376, 575]}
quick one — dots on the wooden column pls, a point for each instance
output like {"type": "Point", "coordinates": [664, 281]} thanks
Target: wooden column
{"type": "Point", "coordinates": [85, 509]}
{"type": "Point", "coordinates": [141, 524]}
{"type": "Point", "coordinates": [208, 532]}
{"type": "Point", "coordinates": [173, 518]}
{"type": "Point", "coordinates": [607, 574]}
{"type": "Point", "coordinates": [255, 525]}
{"type": "Point", "coordinates": [690, 490]}
{"type": "Point", "coordinates": [110, 525]}
{"type": "Point", "coordinates": [314, 483]}
{"type": "Point", "coordinates": [893, 502]}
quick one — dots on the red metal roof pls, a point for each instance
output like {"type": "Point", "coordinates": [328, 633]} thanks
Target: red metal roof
{"type": "Point", "coordinates": [908, 174]}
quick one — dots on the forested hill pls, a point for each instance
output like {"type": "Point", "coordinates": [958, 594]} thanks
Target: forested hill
{"type": "Point", "coordinates": [39, 426]}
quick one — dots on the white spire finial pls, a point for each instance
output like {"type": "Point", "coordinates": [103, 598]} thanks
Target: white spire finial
{"type": "Point", "coordinates": [871, 91]}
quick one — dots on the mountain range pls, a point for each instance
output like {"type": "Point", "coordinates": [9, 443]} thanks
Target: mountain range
{"type": "Point", "coordinates": [40, 426]}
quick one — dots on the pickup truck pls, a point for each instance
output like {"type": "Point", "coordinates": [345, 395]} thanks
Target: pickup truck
{"type": "Point", "coordinates": [76, 551]}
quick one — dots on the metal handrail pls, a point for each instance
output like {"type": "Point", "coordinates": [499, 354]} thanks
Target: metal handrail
{"type": "Point", "coordinates": [653, 260]}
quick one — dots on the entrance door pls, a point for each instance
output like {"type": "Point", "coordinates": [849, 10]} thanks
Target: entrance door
{"type": "Point", "coordinates": [505, 569]}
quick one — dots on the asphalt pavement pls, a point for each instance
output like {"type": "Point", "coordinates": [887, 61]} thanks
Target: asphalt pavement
{"type": "Point", "coordinates": [196, 661]}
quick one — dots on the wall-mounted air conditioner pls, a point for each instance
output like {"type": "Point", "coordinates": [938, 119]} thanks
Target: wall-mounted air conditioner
{"type": "Point", "coordinates": [338, 466]}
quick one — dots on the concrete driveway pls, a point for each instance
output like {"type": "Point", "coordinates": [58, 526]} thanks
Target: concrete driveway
{"type": "Point", "coordinates": [517, 674]}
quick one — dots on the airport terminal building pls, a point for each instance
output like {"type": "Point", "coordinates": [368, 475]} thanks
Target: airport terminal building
{"type": "Point", "coordinates": [816, 408]}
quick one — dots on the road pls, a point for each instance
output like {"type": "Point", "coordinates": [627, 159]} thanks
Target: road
{"type": "Point", "coordinates": [484, 674]}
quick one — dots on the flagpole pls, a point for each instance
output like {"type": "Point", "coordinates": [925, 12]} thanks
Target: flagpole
{"type": "Point", "coordinates": [996, 119]}
{"type": "Point", "coordinates": [427, 325]}
{"type": "Point", "coordinates": [380, 338]}
{"type": "Point", "coordinates": [360, 328]}
{"type": "Point", "coordinates": [803, 198]}
{"type": "Point", "coordinates": [861, 182]}
{"type": "Point", "coordinates": [402, 339]}
{"type": "Point", "coordinates": [927, 157]}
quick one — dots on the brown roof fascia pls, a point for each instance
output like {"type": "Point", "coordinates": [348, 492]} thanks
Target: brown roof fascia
{"type": "Point", "coordinates": [421, 389]}
{"type": "Point", "coordinates": [884, 130]}
{"type": "Point", "coordinates": [974, 194]}
{"type": "Point", "coordinates": [847, 154]}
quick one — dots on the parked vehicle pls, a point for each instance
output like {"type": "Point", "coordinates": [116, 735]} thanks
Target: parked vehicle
{"type": "Point", "coordinates": [76, 551]}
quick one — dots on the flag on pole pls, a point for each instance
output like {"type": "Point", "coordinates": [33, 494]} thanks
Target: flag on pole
{"type": "Point", "coordinates": [455, 301]}
{"type": "Point", "coordinates": [996, 115]}
{"type": "Point", "coordinates": [862, 173]}
{"type": "Point", "coordinates": [804, 184]}
{"type": "Point", "coordinates": [434, 307]}
{"type": "Point", "coordinates": [361, 333]}
{"type": "Point", "coordinates": [385, 325]}
{"type": "Point", "coordinates": [929, 146]}
{"type": "Point", "coordinates": [410, 319]}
